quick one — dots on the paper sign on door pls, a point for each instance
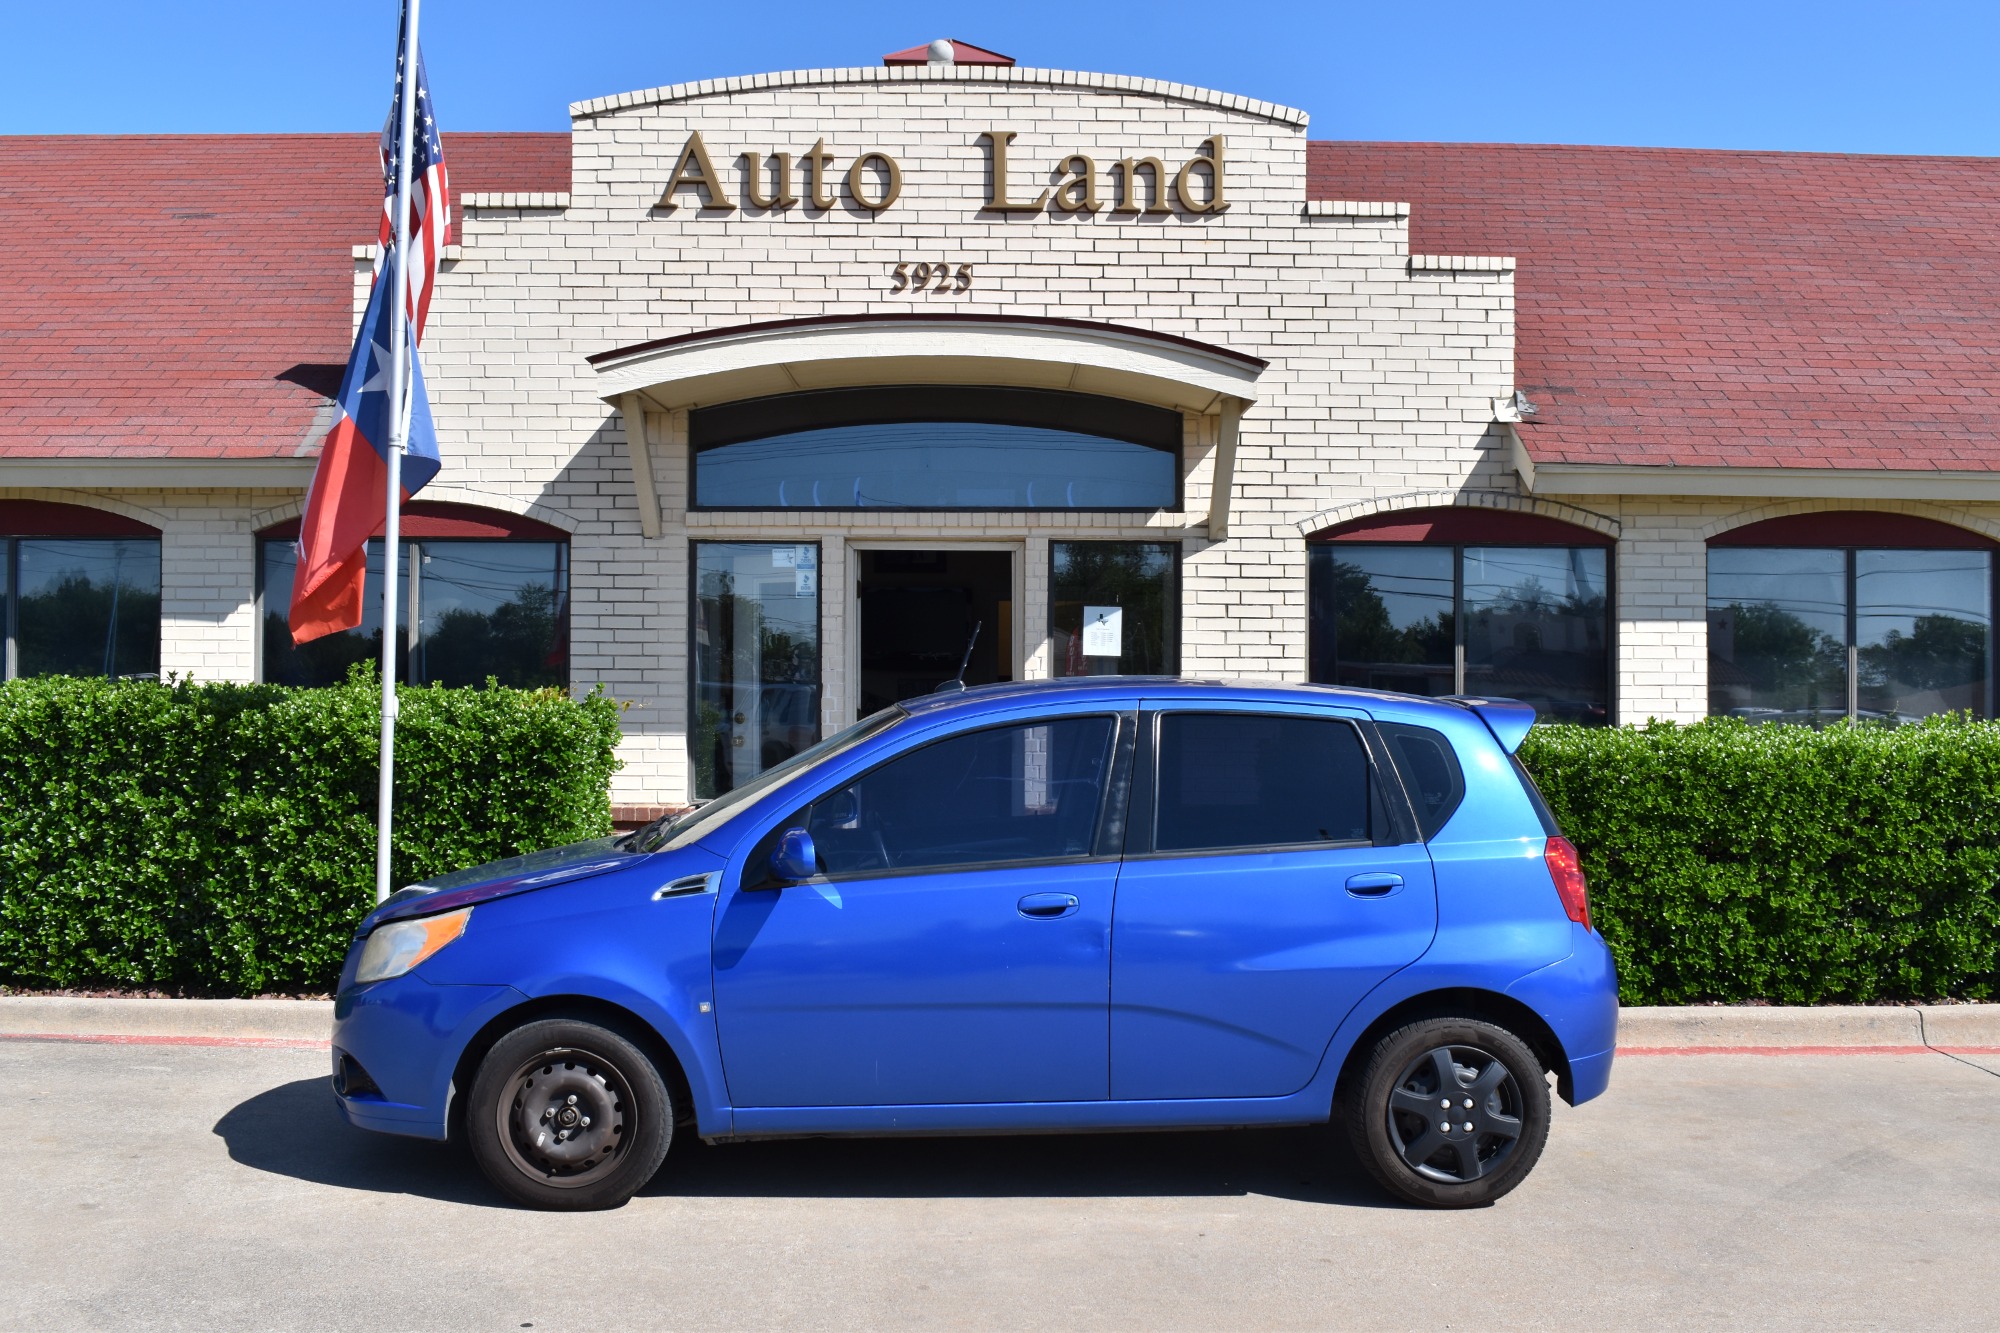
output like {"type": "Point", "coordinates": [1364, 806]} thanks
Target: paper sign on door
{"type": "Point", "coordinates": [1103, 631]}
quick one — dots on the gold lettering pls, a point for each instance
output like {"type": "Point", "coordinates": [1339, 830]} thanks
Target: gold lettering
{"type": "Point", "coordinates": [1077, 191]}
{"type": "Point", "coordinates": [696, 170]}
{"type": "Point", "coordinates": [753, 172]}
{"type": "Point", "coordinates": [1212, 159]}
{"type": "Point", "coordinates": [892, 177]}
{"type": "Point", "coordinates": [818, 163]}
{"type": "Point", "coordinates": [1128, 191]}
{"type": "Point", "coordinates": [996, 194]}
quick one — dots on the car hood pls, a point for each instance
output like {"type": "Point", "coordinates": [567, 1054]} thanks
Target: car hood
{"type": "Point", "coordinates": [496, 879]}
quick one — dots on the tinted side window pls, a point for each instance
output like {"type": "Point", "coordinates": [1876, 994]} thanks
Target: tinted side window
{"type": "Point", "coordinates": [1025, 793]}
{"type": "Point", "coordinates": [1430, 772]}
{"type": "Point", "coordinates": [1249, 780]}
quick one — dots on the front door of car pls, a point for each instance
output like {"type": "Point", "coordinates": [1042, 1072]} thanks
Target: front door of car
{"type": "Point", "coordinates": [1268, 888]}
{"type": "Point", "coordinates": [956, 948]}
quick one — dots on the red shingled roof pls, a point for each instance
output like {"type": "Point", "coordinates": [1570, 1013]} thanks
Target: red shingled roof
{"type": "Point", "coordinates": [1723, 308]}
{"type": "Point", "coordinates": [188, 295]}
{"type": "Point", "coordinates": [191, 295]}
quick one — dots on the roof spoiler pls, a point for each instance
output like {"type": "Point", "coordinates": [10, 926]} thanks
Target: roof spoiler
{"type": "Point", "coordinates": [1507, 719]}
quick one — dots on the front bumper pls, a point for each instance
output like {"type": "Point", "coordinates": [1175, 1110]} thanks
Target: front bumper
{"type": "Point", "coordinates": [396, 1044]}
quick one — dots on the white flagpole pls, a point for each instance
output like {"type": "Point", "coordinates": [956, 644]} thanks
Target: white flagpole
{"type": "Point", "coordinates": [399, 439]}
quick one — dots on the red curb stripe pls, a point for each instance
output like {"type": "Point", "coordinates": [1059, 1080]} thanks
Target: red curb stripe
{"type": "Point", "coordinates": [1777, 1050]}
{"type": "Point", "coordinates": [109, 1039]}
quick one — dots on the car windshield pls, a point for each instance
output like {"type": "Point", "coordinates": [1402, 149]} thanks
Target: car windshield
{"type": "Point", "coordinates": [675, 831]}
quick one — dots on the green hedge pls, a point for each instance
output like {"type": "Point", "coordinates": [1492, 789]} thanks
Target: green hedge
{"type": "Point", "coordinates": [1732, 862]}
{"type": "Point", "coordinates": [219, 839]}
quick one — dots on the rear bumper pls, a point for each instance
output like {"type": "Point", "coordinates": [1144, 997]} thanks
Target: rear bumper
{"type": "Point", "coordinates": [407, 1035]}
{"type": "Point", "coordinates": [1578, 999]}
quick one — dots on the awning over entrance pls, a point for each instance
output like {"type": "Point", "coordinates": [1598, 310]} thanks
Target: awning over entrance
{"type": "Point", "coordinates": [786, 356]}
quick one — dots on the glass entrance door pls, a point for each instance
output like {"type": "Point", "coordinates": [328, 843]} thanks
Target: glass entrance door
{"type": "Point", "coordinates": [919, 611]}
{"type": "Point", "coordinates": [756, 659]}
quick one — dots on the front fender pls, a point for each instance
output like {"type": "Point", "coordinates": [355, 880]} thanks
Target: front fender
{"type": "Point", "coordinates": [609, 940]}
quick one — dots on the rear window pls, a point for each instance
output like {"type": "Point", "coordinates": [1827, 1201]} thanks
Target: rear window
{"type": "Point", "coordinates": [1430, 771]}
{"type": "Point", "coordinates": [1542, 811]}
{"type": "Point", "coordinates": [1257, 780]}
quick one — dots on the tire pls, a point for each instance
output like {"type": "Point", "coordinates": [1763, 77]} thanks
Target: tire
{"type": "Point", "coordinates": [1396, 1118]}
{"type": "Point", "coordinates": [568, 1116]}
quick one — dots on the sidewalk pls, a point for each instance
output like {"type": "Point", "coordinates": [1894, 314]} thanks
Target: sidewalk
{"type": "Point", "coordinates": [1843, 1029]}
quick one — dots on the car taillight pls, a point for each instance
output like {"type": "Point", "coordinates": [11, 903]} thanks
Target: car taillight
{"type": "Point", "coordinates": [1566, 869]}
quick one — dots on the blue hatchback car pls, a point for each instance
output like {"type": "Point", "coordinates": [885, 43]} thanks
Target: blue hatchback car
{"type": "Point", "coordinates": [1108, 903]}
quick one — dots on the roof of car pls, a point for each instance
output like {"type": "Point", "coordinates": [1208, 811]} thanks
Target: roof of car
{"type": "Point", "coordinates": [1164, 687]}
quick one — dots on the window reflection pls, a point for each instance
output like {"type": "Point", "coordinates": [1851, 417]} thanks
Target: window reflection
{"type": "Point", "coordinates": [1777, 634]}
{"type": "Point", "coordinates": [483, 608]}
{"type": "Point", "coordinates": [1382, 617]}
{"type": "Point", "coordinates": [87, 607]}
{"type": "Point", "coordinates": [934, 465]}
{"type": "Point", "coordinates": [935, 447]}
{"type": "Point", "coordinates": [1137, 583]}
{"type": "Point", "coordinates": [1535, 628]}
{"type": "Point", "coordinates": [756, 659]}
{"type": "Point", "coordinates": [1781, 629]}
{"type": "Point", "coordinates": [1923, 622]}
{"type": "Point", "coordinates": [493, 609]}
{"type": "Point", "coordinates": [1532, 622]}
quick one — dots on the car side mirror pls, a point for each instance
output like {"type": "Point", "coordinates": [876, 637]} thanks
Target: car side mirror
{"type": "Point", "coordinates": [794, 858]}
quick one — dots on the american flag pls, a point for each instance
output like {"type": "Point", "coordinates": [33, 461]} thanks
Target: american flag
{"type": "Point", "coordinates": [430, 193]}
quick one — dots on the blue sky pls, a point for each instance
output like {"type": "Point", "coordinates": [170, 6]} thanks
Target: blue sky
{"type": "Point", "coordinates": [1899, 76]}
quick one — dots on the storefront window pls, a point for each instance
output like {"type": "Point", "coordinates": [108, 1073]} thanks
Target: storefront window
{"type": "Point", "coordinates": [85, 606]}
{"type": "Point", "coordinates": [1815, 635]}
{"type": "Point", "coordinates": [1383, 617]}
{"type": "Point", "coordinates": [481, 608]}
{"type": "Point", "coordinates": [1535, 628]}
{"type": "Point", "coordinates": [1420, 615]}
{"type": "Point", "coordinates": [1114, 608]}
{"type": "Point", "coordinates": [924, 447]}
{"type": "Point", "coordinates": [756, 668]}
{"type": "Point", "coordinates": [1777, 634]}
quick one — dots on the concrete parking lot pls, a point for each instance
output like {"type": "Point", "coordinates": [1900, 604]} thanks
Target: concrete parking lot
{"type": "Point", "coordinates": [187, 1186]}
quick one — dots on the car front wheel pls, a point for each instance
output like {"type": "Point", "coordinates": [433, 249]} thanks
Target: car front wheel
{"type": "Point", "coordinates": [1449, 1112]}
{"type": "Point", "coordinates": [568, 1115]}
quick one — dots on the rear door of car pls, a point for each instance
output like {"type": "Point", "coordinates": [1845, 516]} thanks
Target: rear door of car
{"type": "Point", "coordinates": [1273, 876]}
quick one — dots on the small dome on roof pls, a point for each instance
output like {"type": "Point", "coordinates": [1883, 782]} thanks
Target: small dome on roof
{"type": "Point", "coordinates": [962, 53]}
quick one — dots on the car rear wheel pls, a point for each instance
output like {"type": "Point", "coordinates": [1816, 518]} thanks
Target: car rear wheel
{"type": "Point", "coordinates": [1449, 1112]}
{"type": "Point", "coordinates": [567, 1115]}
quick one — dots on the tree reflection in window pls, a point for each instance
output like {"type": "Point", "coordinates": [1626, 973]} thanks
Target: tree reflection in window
{"type": "Point", "coordinates": [1787, 626]}
{"type": "Point", "coordinates": [1390, 612]}
{"type": "Point", "coordinates": [1526, 622]}
{"type": "Point", "coordinates": [87, 607]}
{"type": "Point", "coordinates": [496, 609]}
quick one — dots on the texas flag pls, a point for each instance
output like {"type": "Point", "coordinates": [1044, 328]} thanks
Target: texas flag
{"type": "Point", "coordinates": [349, 490]}
{"type": "Point", "coordinates": [346, 505]}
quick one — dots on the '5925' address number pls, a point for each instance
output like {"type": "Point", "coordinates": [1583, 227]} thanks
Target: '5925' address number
{"type": "Point", "coordinates": [930, 277]}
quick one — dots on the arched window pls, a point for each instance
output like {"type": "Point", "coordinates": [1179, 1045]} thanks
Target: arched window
{"type": "Point", "coordinates": [484, 594]}
{"type": "Point", "coordinates": [1850, 614]}
{"type": "Point", "coordinates": [931, 447]}
{"type": "Point", "coordinates": [82, 592]}
{"type": "Point", "coordinates": [1461, 600]}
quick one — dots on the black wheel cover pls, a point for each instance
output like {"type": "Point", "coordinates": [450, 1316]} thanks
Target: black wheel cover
{"type": "Point", "coordinates": [1454, 1114]}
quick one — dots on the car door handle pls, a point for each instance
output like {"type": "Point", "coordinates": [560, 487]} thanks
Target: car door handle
{"type": "Point", "coordinates": [1048, 906]}
{"type": "Point", "coordinates": [1374, 884]}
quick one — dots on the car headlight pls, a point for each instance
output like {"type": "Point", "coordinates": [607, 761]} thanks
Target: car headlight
{"type": "Point", "coordinates": [394, 949]}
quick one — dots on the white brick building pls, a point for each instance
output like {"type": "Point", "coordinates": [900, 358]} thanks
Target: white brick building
{"type": "Point", "coordinates": [1299, 433]}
